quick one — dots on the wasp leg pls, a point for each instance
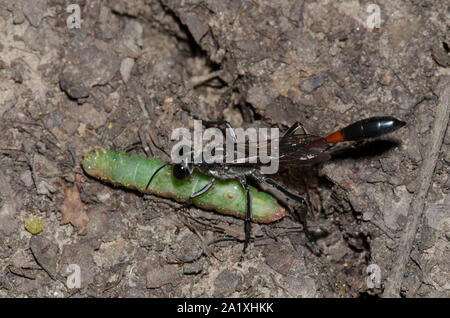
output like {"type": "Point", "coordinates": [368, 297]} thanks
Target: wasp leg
{"type": "Point", "coordinates": [293, 128]}
{"type": "Point", "coordinates": [229, 129]}
{"type": "Point", "coordinates": [310, 237]}
{"type": "Point", "coordinates": [261, 178]}
{"type": "Point", "coordinates": [227, 125]}
{"type": "Point", "coordinates": [202, 190]}
{"type": "Point", "coordinates": [248, 215]}
{"type": "Point", "coordinates": [218, 123]}
{"type": "Point", "coordinates": [154, 174]}
{"type": "Point", "coordinates": [222, 122]}
{"type": "Point", "coordinates": [302, 216]}
{"type": "Point", "coordinates": [196, 194]}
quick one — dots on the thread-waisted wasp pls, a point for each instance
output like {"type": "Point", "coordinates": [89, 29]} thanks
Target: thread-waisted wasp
{"type": "Point", "coordinates": [293, 150]}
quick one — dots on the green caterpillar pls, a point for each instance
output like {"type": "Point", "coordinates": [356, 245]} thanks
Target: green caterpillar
{"type": "Point", "coordinates": [134, 172]}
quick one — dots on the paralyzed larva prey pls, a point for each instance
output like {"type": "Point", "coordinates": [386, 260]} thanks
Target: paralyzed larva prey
{"type": "Point", "coordinates": [133, 171]}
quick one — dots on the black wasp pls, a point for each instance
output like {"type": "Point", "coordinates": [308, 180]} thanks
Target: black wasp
{"type": "Point", "coordinates": [294, 150]}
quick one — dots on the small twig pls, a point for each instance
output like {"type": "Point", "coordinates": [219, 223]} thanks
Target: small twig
{"type": "Point", "coordinates": [31, 166]}
{"type": "Point", "coordinates": [198, 80]}
{"type": "Point", "coordinates": [73, 156]}
{"type": "Point", "coordinates": [29, 161]}
{"type": "Point", "coordinates": [383, 229]}
{"type": "Point", "coordinates": [148, 151]}
{"type": "Point", "coordinates": [401, 82]}
{"type": "Point", "coordinates": [395, 279]}
{"type": "Point", "coordinates": [117, 282]}
{"type": "Point", "coordinates": [191, 227]}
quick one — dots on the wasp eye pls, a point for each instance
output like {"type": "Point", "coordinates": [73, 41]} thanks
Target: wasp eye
{"type": "Point", "coordinates": [180, 171]}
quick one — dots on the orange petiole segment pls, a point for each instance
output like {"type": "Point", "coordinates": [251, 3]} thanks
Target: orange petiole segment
{"type": "Point", "coordinates": [335, 137]}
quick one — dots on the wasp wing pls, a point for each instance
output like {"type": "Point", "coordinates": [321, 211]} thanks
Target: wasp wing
{"type": "Point", "coordinates": [293, 150]}
{"type": "Point", "coordinates": [302, 150]}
